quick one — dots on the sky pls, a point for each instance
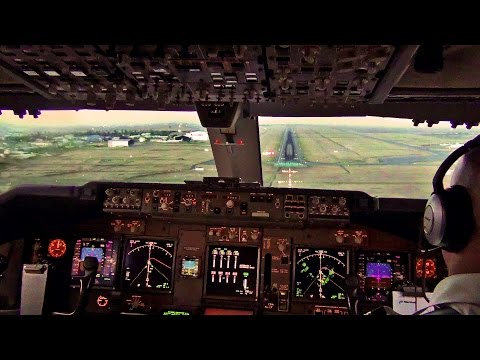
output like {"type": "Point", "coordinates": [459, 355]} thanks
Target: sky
{"type": "Point", "coordinates": [63, 118]}
{"type": "Point", "coordinates": [99, 118]}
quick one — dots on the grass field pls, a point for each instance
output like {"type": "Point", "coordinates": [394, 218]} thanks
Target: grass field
{"type": "Point", "coordinates": [387, 162]}
{"type": "Point", "coordinates": [147, 162]}
{"type": "Point", "coordinates": [382, 162]}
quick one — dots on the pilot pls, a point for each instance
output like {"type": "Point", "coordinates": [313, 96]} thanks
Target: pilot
{"type": "Point", "coordinates": [452, 223]}
{"type": "Point", "coordinates": [459, 292]}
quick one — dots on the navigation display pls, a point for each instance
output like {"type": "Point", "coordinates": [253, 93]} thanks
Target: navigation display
{"type": "Point", "coordinates": [232, 271]}
{"type": "Point", "coordinates": [105, 250]}
{"type": "Point", "coordinates": [320, 273]}
{"type": "Point", "coordinates": [149, 264]}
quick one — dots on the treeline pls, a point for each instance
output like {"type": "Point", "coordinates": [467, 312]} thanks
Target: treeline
{"type": "Point", "coordinates": [119, 132]}
{"type": "Point", "coordinates": [114, 132]}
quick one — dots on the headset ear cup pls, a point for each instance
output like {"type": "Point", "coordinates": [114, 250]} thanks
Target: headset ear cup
{"type": "Point", "coordinates": [434, 220]}
{"type": "Point", "coordinates": [459, 219]}
{"type": "Point", "coordinates": [448, 219]}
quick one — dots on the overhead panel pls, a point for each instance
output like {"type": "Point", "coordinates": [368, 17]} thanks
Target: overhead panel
{"type": "Point", "coordinates": [159, 76]}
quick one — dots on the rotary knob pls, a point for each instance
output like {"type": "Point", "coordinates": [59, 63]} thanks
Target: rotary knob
{"type": "Point", "coordinates": [254, 236]}
{"type": "Point", "coordinates": [164, 206]}
{"type": "Point", "coordinates": [339, 238]}
{"type": "Point", "coordinates": [230, 204]}
{"type": "Point", "coordinates": [281, 247]}
{"type": "Point", "coordinates": [358, 239]}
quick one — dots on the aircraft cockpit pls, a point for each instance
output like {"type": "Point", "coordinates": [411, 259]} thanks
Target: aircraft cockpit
{"type": "Point", "coordinates": [225, 179]}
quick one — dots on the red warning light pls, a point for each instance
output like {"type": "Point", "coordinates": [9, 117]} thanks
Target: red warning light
{"type": "Point", "coordinates": [240, 142]}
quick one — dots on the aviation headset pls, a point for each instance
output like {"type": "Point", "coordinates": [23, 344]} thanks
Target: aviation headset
{"type": "Point", "coordinates": [448, 220]}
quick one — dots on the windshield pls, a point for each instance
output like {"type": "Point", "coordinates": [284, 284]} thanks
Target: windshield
{"type": "Point", "coordinates": [383, 157]}
{"type": "Point", "coordinates": [75, 147]}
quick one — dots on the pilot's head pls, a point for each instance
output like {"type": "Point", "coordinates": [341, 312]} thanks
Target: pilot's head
{"type": "Point", "coordinates": [467, 174]}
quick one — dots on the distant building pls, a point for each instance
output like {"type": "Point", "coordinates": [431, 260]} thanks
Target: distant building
{"type": "Point", "coordinates": [198, 135]}
{"type": "Point", "coordinates": [41, 143]}
{"type": "Point", "coordinates": [158, 138]}
{"type": "Point", "coordinates": [117, 142]}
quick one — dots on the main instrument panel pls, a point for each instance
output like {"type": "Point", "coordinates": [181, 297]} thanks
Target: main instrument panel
{"type": "Point", "coordinates": [195, 249]}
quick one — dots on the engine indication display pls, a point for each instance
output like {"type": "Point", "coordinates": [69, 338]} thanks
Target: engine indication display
{"type": "Point", "coordinates": [105, 251]}
{"type": "Point", "coordinates": [232, 271]}
{"type": "Point", "coordinates": [149, 264]}
{"type": "Point", "coordinates": [320, 273]}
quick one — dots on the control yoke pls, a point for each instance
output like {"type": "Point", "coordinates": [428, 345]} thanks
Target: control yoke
{"type": "Point", "coordinates": [90, 264]}
{"type": "Point", "coordinates": [352, 284]}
